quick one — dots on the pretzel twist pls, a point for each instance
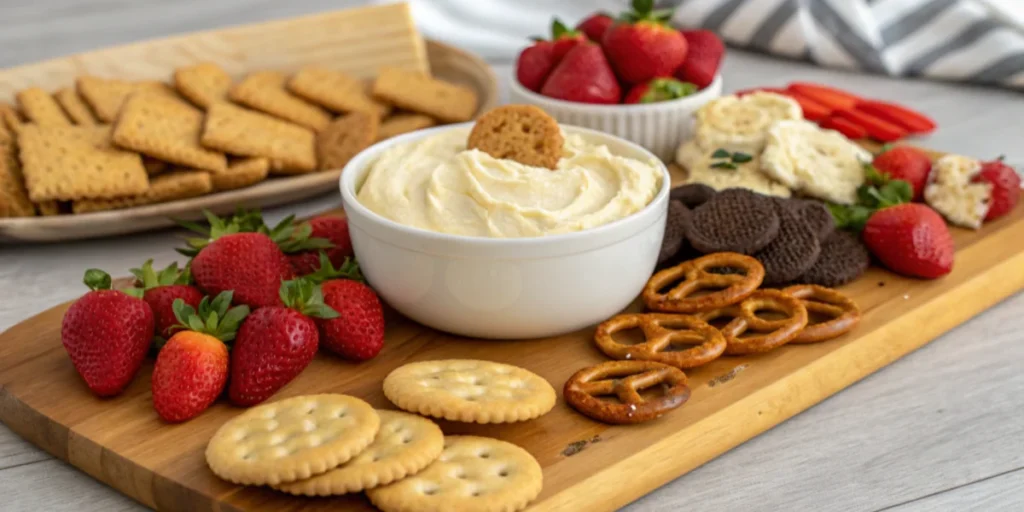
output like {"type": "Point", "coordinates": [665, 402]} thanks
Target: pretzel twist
{"type": "Point", "coordinates": [662, 332]}
{"type": "Point", "coordinates": [770, 333]}
{"type": "Point", "coordinates": [842, 312]}
{"type": "Point", "coordinates": [695, 276]}
{"type": "Point", "coordinates": [625, 380]}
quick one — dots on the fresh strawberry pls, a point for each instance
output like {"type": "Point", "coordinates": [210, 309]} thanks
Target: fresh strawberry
{"type": "Point", "coordinates": [659, 89]}
{"type": "Point", "coordinates": [535, 64]}
{"type": "Point", "coordinates": [564, 39]}
{"type": "Point", "coordinates": [595, 25]}
{"type": "Point", "coordinates": [910, 239]}
{"type": "Point", "coordinates": [331, 228]}
{"type": "Point", "coordinates": [831, 97]}
{"type": "Point", "coordinates": [583, 76]}
{"type": "Point", "coordinates": [253, 264]}
{"type": "Point", "coordinates": [911, 120]}
{"type": "Point", "coordinates": [192, 367]}
{"type": "Point", "coordinates": [908, 164]}
{"type": "Point", "coordinates": [107, 334]}
{"type": "Point", "coordinates": [358, 333]}
{"type": "Point", "coordinates": [642, 46]}
{"type": "Point", "coordinates": [160, 291]}
{"type": "Point", "coordinates": [1005, 187]}
{"type": "Point", "coordinates": [276, 343]}
{"type": "Point", "coordinates": [704, 51]}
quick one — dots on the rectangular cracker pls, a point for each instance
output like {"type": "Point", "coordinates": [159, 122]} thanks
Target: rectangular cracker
{"type": "Point", "coordinates": [239, 131]}
{"type": "Point", "coordinates": [403, 123]}
{"type": "Point", "coordinates": [265, 91]}
{"type": "Point", "coordinates": [74, 106]}
{"type": "Point", "coordinates": [413, 90]}
{"type": "Point", "coordinates": [13, 196]}
{"type": "Point", "coordinates": [106, 95]}
{"type": "Point", "coordinates": [10, 120]}
{"type": "Point", "coordinates": [167, 129]}
{"type": "Point", "coordinates": [57, 166]}
{"type": "Point", "coordinates": [40, 108]}
{"type": "Point", "coordinates": [202, 84]}
{"type": "Point", "coordinates": [242, 173]}
{"type": "Point", "coordinates": [335, 91]}
{"type": "Point", "coordinates": [172, 186]}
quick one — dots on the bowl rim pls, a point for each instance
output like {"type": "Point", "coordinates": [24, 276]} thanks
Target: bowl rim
{"type": "Point", "coordinates": [354, 168]}
{"type": "Point", "coordinates": [544, 101]}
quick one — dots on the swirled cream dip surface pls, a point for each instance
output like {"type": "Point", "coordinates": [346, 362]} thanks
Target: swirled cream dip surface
{"type": "Point", "coordinates": [436, 184]}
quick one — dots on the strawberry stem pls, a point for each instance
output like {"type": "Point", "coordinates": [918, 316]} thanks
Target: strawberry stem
{"type": "Point", "coordinates": [97, 279]}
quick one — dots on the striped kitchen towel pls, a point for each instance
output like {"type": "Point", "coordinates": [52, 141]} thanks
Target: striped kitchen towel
{"type": "Point", "coordinates": [978, 41]}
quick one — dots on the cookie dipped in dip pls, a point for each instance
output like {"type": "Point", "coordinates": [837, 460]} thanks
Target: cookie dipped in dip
{"type": "Point", "coordinates": [437, 184]}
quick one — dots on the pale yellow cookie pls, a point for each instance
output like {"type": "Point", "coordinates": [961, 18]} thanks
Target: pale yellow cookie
{"type": "Point", "coordinates": [473, 474]}
{"type": "Point", "coordinates": [405, 444]}
{"type": "Point", "coordinates": [291, 439]}
{"type": "Point", "coordinates": [470, 391]}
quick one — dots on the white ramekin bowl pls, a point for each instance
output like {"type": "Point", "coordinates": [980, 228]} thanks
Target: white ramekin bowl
{"type": "Point", "coordinates": [659, 127]}
{"type": "Point", "coordinates": [505, 288]}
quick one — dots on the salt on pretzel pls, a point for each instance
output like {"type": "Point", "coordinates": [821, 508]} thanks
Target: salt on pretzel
{"type": "Point", "coordinates": [625, 380]}
{"type": "Point", "coordinates": [661, 332]}
{"type": "Point", "coordinates": [771, 333]}
{"type": "Point", "coordinates": [842, 312]}
{"type": "Point", "coordinates": [696, 275]}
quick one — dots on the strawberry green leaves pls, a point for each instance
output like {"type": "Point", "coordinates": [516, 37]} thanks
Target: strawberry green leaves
{"type": "Point", "coordinates": [170, 275]}
{"type": "Point", "coordinates": [96, 279]}
{"type": "Point", "coordinates": [878, 192]}
{"type": "Point", "coordinates": [643, 10]}
{"type": "Point", "coordinates": [349, 269]}
{"type": "Point", "coordinates": [304, 296]}
{"type": "Point", "coordinates": [289, 235]}
{"type": "Point", "coordinates": [216, 318]}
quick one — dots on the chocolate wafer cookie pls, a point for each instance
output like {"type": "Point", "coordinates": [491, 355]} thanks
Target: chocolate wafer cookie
{"type": "Point", "coordinates": [816, 214]}
{"type": "Point", "coordinates": [843, 258]}
{"type": "Point", "coordinates": [675, 230]}
{"type": "Point", "coordinates": [692, 195]}
{"type": "Point", "coordinates": [792, 252]}
{"type": "Point", "coordinates": [734, 220]}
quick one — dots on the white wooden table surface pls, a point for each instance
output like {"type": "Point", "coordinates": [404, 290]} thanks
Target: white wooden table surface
{"type": "Point", "coordinates": [942, 429]}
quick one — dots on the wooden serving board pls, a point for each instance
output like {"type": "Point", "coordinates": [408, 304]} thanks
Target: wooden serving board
{"type": "Point", "coordinates": [357, 41]}
{"type": "Point", "coordinates": [587, 465]}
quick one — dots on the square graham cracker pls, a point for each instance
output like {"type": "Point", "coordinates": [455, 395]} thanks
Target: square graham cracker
{"type": "Point", "coordinates": [239, 131]}
{"type": "Point", "coordinates": [41, 108]}
{"type": "Point", "coordinates": [74, 106]}
{"type": "Point", "coordinates": [106, 95]}
{"type": "Point", "coordinates": [170, 186]}
{"type": "Point", "coordinates": [265, 91]}
{"type": "Point", "coordinates": [63, 168]}
{"type": "Point", "coordinates": [335, 91]}
{"type": "Point", "coordinates": [14, 200]}
{"type": "Point", "coordinates": [167, 129]}
{"type": "Point", "coordinates": [416, 91]}
{"type": "Point", "coordinates": [203, 84]}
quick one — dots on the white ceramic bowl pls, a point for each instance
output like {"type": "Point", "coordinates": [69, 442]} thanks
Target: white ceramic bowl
{"type": "Point", "coordinates": [659, 127]}
{"type": "Point", "coordinates": [505, 288]}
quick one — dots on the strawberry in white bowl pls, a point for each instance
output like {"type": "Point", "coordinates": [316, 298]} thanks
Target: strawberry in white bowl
{"type": "Point", "coordinates": [633, 76]}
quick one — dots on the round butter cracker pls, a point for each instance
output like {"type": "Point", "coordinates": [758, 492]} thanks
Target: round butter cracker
{"type": "Point", "coordinates": [473, 474]}
{"type": "Point", "coordinates": [469, 390]}
{"type": "Point", "coordinates": [405, 444]}
{"type": "Point", "coordinates": [291, 439]}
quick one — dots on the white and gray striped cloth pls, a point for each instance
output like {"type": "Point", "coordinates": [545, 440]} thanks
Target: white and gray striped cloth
{"type": "Point", "coordinates": [977, 41]}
